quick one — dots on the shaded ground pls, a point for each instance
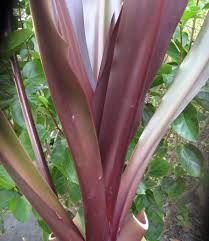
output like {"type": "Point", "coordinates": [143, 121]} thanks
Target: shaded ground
{"type": "Point", "coordinates": [16, 231]}
{"type": "Point", "coordinates": [197, 201]}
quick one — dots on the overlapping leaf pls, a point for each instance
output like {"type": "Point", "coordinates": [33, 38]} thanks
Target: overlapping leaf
{"type": "Point", "coordinates": [185, 86]}
{"type": "Point", "coordinates": [71, 101]}
{"type": "Point", "coordinates": [75, 9]}
{"type": "Point", "coordinates": [69, 36]}
{"type": "Point", "coordinates": [137, 56]}
{"type": "Point", "coordinates": [104, 74]}
{"type": "Point", "coordinates": [32, 185]}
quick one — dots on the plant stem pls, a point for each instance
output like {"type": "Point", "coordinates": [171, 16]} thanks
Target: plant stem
{"type": "Point", "coordinates": [33, 135]}
{"type": "Point", "coordinates": [181, 44]}
{"type": "Point", "coordinates": [193, 27]}
{"type": "Point", "coordinates": [55, 123]}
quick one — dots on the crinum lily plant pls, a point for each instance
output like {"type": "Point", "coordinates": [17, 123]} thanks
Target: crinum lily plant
{"type": "Point", "coordinates": [100, 107]}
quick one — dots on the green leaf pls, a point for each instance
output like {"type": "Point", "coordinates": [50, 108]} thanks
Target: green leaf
{"type": "Point", "coordinates": [34, 72]}
{"type": "Point", "coordinates": [147, 113]}
{"type": "Point", "coordinates": [155, 225]}
{"type": "Point", "coordinates": [168, 78]}
{"type": "Point", "coordinates": [14, 40]}
{"type": "Point", "coordinates": [19, 208]}
{"type": "Point", "coordinates": [206, 6]}
{"type": "Point", "coordinates": [186, 125]}
{"type": "Point", "coordinates": [165, 69]}
{"type": "Point", "coordinates": [141, 188]}
{"type": "Point", "coordinates": [62, 160]}
{"type": "Point", "coordinates": [17, 113]}
{"type": "Point", "coordinates": [203, 99]}
{"type": "Point", "coordinates": [5, 197]}
{"type": "Point", "coordinates": [159, 196]}
{"type": "Point", "coordinates": [158, 167]}
{"type": "Point", "coordinates": [5, 180]}
{"type": "Point", "coordinates": [25, 140]}
{"type": "Point", "coordinates": [43, 100]}
{"type": "Point", "coordinates": [191, 11]}
{"type": "Point", "coordinates": [191, 159]}
{"type": "Point", "coordinates": [173, 187]}
{"type": "Point", "coordinates": [173, 51]}
{"type": "Point", "coordinates": [179, 171]}
{"type": "Point", "coordinates": [74, 192]}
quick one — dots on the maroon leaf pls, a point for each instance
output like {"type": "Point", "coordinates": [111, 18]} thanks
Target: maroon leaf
{"type": "Point", "coordinates": [75, 9]}
{"type": "Point", "coordinates": [138, 53]}
{"type": "Point", "coordinates": [102, 83]}
{"type": "Point", "coordinates": [144, 64]}
{"type": "Point", "coordinates": [32, 185]}
{"type": "Point", "coordinates": [73, 109]}
{"type": "Point", "coordinates": [75, 57]}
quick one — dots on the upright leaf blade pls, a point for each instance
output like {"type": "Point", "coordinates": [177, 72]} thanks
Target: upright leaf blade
{"type": "Point", "coordinates": [73, 110]}
{"type": "Point", "coordinates": [104, 74]}
{"type": "Point", "coordinates": [186, 85]}
{"type": "Point", "coordinates": [75, 8]}
{"type": "Point", "coordinates": [136, 60]}
{"type": "Point", "coordinates": [72, 46]}
{"type": "Point", "coordinates": [32, 185]}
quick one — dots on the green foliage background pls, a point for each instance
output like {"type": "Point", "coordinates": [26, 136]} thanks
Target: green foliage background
{"type": "Point", "coordinates": [176, 159]}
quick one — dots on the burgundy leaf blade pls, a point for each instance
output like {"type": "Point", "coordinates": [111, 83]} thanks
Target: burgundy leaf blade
{"type": "Point", "coordinates": [75, 8]}
{"type": "Point", "coordinates": [74, 112]}
{"type": "Point", "coordinates": [102, 83]}
{"type": "Point", "coordinates": [75, 57]}
{"type": "Point", "coordinates": [137, 47]}
{"type": "Point", "coordinates": [187, 83]}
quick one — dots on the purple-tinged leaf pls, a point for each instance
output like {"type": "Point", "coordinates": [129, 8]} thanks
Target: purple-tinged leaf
{"type": "Point", "coordinates": [75, 8]}
{"type": "Point", "coordinates": [74, 112]}
{"type": "Point", "coordinates": [32, 185]}
{"type": "Point", "coordinates": [102, 83]}
{"type": "Point", "coordinates": [32, 132]}
{"type": "Point", "coordinates": [75, 58]}
{"type": "Point", "coordinates": [136, 51]}
{"type": "Point", "coordinates": [184, 88]}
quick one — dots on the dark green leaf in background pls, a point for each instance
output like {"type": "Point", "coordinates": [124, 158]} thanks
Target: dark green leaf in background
{"type": "Point", "coordinates": [5, 180]}
{"type": "Point", "coordinates": [19, 208]}
{"type": "Point", "coordinates": [158, 167]}
{"type": "Point", "coordinates": [147, 113]}
{"type": "Point", "coordinates": [174, 187]}
{"type": "Point", "coordinates": [62, 160]}
{"type": "Point", "coordinates": [191, 159]}
{"type": "Point", "coordinates": [33, 71]}
{"type": "Point", "coordinates": [186, 125]}
{"type": "Point", "coordinates": [203, 99]}
{"type": "Point", "coordinates": [5, 197]}
{"type": "Point", "coordinates": [14, 40]}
